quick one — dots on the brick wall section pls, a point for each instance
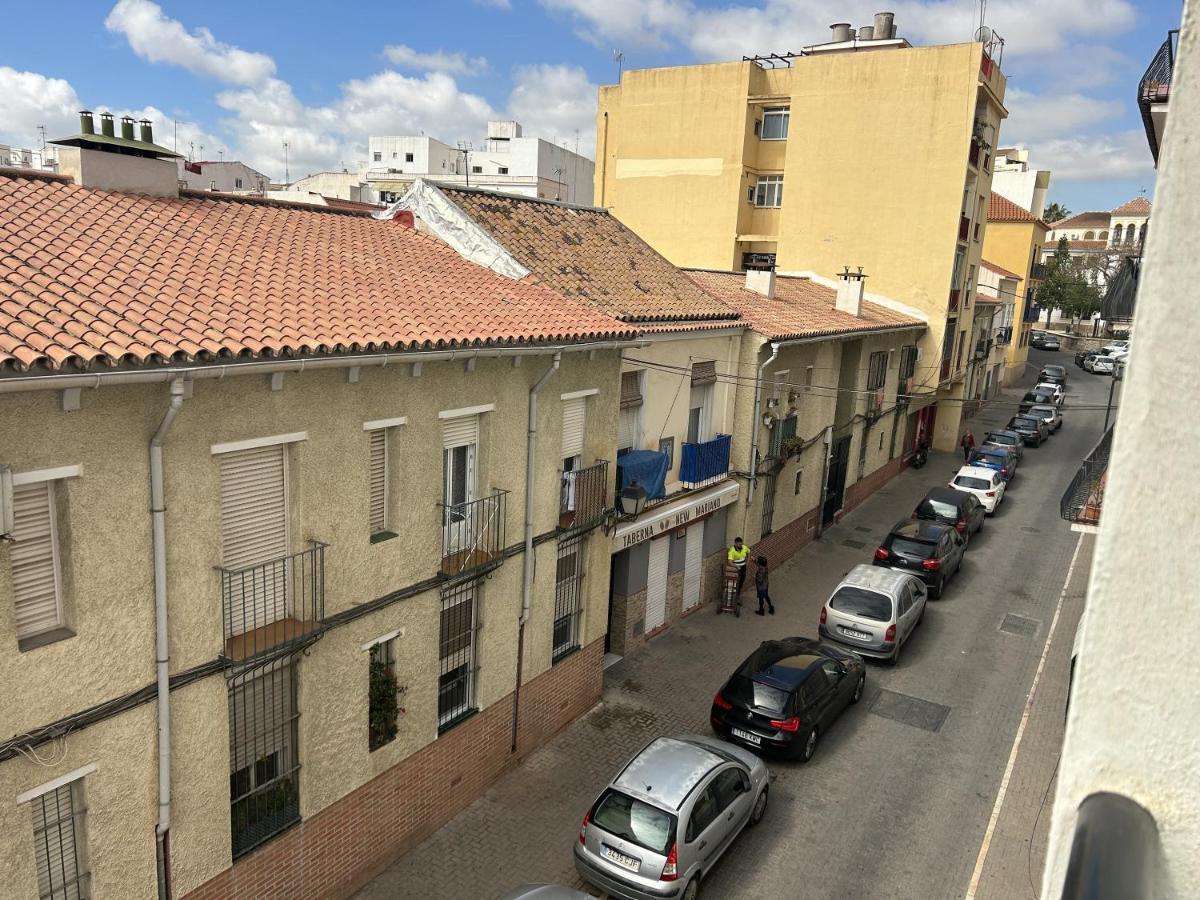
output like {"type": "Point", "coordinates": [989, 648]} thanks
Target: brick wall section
{"type": "Point", "coordinates": [336, 851]}
{"type": "Point", "coordinates": [779, 545]}
{"type": "Point", "coordinates": [860, 490]}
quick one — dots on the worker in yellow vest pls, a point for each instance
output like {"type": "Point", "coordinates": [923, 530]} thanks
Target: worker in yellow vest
{"type": "Point", "coordinates": [739, 556]}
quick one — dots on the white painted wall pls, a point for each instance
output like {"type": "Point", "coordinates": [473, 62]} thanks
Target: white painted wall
{"type": "Point", "coordinates": [1134, 723]}
{"type": "Point", "coordinates": [229, 176]}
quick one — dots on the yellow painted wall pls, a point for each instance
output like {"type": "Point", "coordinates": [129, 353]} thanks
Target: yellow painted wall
{"type": "Point", "coordinates": [1014, 246]}
{"type": "Point", "coordinates": [110, 557]}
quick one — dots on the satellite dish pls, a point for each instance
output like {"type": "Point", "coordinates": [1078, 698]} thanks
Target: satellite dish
{"type": "Point", "coordinates": [983, 33]}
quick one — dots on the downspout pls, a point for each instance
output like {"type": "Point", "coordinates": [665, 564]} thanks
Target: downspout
{"type": "Point", "coordinates": [527, 575]}
{"type": "Point", "coordinates": [158, 515]}
{"type": "Point", "coordinates": [758, 386]}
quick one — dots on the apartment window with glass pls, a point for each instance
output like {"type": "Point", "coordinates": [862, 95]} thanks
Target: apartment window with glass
{"type": "Point", "coordinates": [784, 430]}
{"type": "Point", "coordinates": [574, 426]}
{"type": "Point", "coordinates": [37, 576]}
{"type": "Point", "coordinates": [377, 156]}
{"type": "Point", "coordinates": [568, 597]}
{"type": "Point", "coordinates": [476, 170]}
{"type": "Point", "coordinates": [456, 654]}
{"type": "Point", "coordinates": [775, 123]}
{"type": "Point", "coordinates": [408, 157]}
{"type": "Point", "coordinates": [60, 843]}
{"type": "Point", "coordinates": [629, 425]}
{"type": "Point", "coordinates": [383, 708]}
{"type": "Point", "coordinates": [503, 170]}
{"type": "Point", "coordinates": [908, 367]}
{"type": "Point", "coordinates": [769, 191]}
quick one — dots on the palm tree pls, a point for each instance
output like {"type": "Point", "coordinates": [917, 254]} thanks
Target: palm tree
{"type": "Point", "coordinates": [1056, 212]}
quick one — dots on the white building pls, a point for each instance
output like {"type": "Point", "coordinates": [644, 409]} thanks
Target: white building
{"type": "Point", "coordinates": [340, 185]}
{"type": "Point", "coordinates": [1013, 178]}
{"type": "Point", "coordinates": [508, 162]}
{"type": "Point", "coordinates": [230, 177]}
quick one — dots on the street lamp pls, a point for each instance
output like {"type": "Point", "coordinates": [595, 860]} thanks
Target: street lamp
{"type": "Point", "coordinates": [632, 500]}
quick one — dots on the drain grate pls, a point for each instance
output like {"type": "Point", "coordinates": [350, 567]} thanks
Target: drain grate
{"type": "Point", "coordinates": [1019, 625]}
{"type": "Point", "coordinates": [863, 528]}
{"type": "Point", "coordinates": [910, 710]}
{"type": "Point", "coordinates": [857, 545]}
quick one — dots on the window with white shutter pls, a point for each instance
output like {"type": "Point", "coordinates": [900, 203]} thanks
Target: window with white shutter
{"type": "Point", "coordinates": [629, 425]}
{"type": "Point", "coordinates": [59, 843]}
{"type": "Point", "coordinates": [574, 419]}
{"type": "Point", "coordinates": [377, 470]}
{"type": "Point", "coordinates": [37, 580]}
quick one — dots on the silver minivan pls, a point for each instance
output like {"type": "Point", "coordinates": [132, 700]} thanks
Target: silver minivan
{"type": "Point", "coordinates": [664, 821]}
{"type": "Point", "coordinates": [874, 611]}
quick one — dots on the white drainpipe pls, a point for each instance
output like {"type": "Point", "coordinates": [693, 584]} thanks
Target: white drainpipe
{"type": "Point", "coordinates": [158, 514]}
{"type": "Point", "coordinates": [754, 426]}
{"type": "Point", "coordinates": [527, 579]}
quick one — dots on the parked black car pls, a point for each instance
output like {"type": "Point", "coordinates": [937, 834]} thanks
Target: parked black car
{"type": "Point", "coordinates": [1009, 439]}
{"type": "Point", "coordinates": [1035, 398]}
{"type": "Point", "coordinates": [950, 507]}
{"type": "Point", "coordinates": [931, 551]}
{"type": "Point", "coordinates": [1053, 375]}
{"type": "Point", "coordinates": [1040, 340]}
{"type": "Point", "coordinates": [785, 693]}
{"type": "Point", "coordinates": [1080, 356]}
{"type": "Point", "coordinates": [1032, 430]}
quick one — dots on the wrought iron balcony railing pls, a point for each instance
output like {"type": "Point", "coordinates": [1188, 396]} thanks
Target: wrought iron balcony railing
{"type": "Point", "coordinates": [1031, 314]}
{"type": "Point", "coordinates": [583, 497]}
{"type": "Point", "coordinates": [274, 605]}
{"type": "Point", "coordinates": [472, 534]}
{"type": "Point", "coordinates": [944, 372]}
{"type": "Point", "coordinates": [964, 227]}
{"type": "Point", "coordinates": [1039, 270]}
{"type": "Point", "coordinates": [1084, 498]}
{"type": "Point", "coordinates": [952, 305]}
{"type": "Point", "coordinates": [706, 463]}
{"type": "Point", "coordinates": [1155, 86]}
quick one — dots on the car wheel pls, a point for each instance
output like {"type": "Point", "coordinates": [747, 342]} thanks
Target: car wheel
{"type": "Point", "coordinates": [894, 659]}
{"type": "Point", "coordinates": [858, 689]}
{"type": "Point", "coordinates": [936, 593]}
{"type": "Point", "coordinates": [810, 745]}
{"type": "Point", "coordinates": [692, 891]}
{"type": "Point", "coordinates": [760, 808]}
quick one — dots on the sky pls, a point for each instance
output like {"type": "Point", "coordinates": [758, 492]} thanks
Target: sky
{"type": "Point", "coordinates": [238, 80]}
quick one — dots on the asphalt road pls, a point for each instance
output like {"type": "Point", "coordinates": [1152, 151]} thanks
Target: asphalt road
{"type": "Point", "coordinates": [897, 800]}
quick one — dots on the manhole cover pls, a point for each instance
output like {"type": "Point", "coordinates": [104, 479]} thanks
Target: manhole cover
{"type": "Point", "coordinates": [857, 545]}
{"type": "Point", "coordinates": [864, 528]}
{"type": "Point", "coordinates": [1019, 625]}
{"type": "Point", "coordinates": [910, 710]}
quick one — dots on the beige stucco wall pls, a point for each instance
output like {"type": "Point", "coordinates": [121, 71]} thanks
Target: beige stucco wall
{"type": "Point", "coordinates": [1015, 246]}
{"type": "Point", "coordinates": [112, 602]}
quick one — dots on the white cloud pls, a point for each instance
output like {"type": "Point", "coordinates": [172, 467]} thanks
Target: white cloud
{"type": "Point", "coordinates": [160, 39]}
{"type": "Point", "coordinates": [437, 61]}
{"type": "Point", "coordinates": [1037, 117]}
{"type": "Point", "coordinates": [627, 23]}
{"type": "Point", "coordinates": [1106, 157]}
{"type": "Point", "coordinates": [556, 102]}
{"type": "Point", "coordinates": [495, 4]}
{"type": "Point", "coordinates": [28, 100]}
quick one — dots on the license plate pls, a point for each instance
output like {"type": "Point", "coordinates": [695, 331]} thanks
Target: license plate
{"type": "Point", "coordinates": [746, 736]}
{"type": "Point", "coordinates": [621, 859]}
{"type": "Point", "coordinates": [860, 635]}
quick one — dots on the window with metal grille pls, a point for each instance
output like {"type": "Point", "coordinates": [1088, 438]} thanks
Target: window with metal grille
{"type": "Point", "coordinates": [876, 376]}
{"type": "Point", "coordinates": [567, 596]}
{"type": "Point", "coordinates": [59, 843]}
{"type": "Point", "coordinates": [456, 655]}
{"type": "Point", "coordinates": [36, 573]}
{"type": "Point", "coordinates": [908, 367]}
{"type": "Point", "coordinates": [377, 474]}
{"type": "Point", "coordinates": [768, 511]}
{"type": "Point", "coordinates": [784, 430]}
{"type": "Point", "coordinates": [382, 695]}
{"type": "Point", "coordinates": [769, 191]}
{"type": "Point", "coordinates": [264, 759]}
{"type": "Point", "coordinates": [629, 425]}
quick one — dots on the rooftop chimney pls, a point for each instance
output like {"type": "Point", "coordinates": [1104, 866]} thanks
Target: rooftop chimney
{"type": "Point", "coordinates": [117, 163]}
{"type": "Point", "coordinates": [106, 124]}
{"type": "Point", "coordinates": [86, 125]}
{"type": "Point", "coordinates": [884, 27]}
{"type": "Point", "coordinates": [850, 291]}
{"type": "Point", "coordinates": [127, 127]}
{"type": "Point", "coordinates": [761, 281]}
{"type": "Point", "coordinates": [147, 131]}
{"type": "Point", "coordinates": [866, 33]}
{"type": "Point", "coordinates": [841, 31]}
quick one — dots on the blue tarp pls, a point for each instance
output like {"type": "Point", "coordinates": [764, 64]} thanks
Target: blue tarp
{"type": "Point", "coordinates": [700, 462]}
{"type": "Point", "coordinates": [648, 468]}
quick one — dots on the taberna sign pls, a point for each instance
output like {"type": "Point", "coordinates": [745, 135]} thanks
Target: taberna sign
{"type": "Point", "coordinates": [676, 514]}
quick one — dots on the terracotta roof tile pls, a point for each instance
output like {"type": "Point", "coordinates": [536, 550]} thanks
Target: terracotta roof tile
{"type": "Point", "coordinates": [1138, 206]}
{"type": "Point", "coordinates": [587, 253]}
{"type": "Point", "coordinates": [1001, 209]}
{"type": "Point", "coordinates": [999, 270]}
{"type": "Point", "coordinates": [800, 308]}
{"type": "Point", "coordinates": [91, 277]}
{"type": "Point", "coordinates": [1084, 220]}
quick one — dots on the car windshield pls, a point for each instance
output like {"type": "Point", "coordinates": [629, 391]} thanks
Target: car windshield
{"type": "Point", "coordinates": [1001, 439]}
{"type": "Point", "coordinates": [860, 602]}
{"type": "Point", "coordinates": [1044, 411]}
{"type": "Point", "coordinates": [748, 692]}
{"type": "Point", "coordinates": [904, 546]}
{"type": "Point", "coordinates": [647, 826]}
{"type": "Point", "coordinates": [989, 456]}
{"type": "Point", "coordinates": [975, 484]}
{"type": "Point", "coordinates": [1023, 422]}
{"type": "Point", "coordinates": [937, 509]}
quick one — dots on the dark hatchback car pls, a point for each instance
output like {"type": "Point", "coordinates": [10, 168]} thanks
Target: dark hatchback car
{"type": "Point", "coordinates": [1009, 439]}
{"type": "Point", "coordinates": [1032, 430]}
{"type": "Point", "coordinates": [1053, 375]}
{"type": "Point", "coordinates": [1080, 356]}
{"type": "Point", "coordinates": [1035, 398]}
{"type": "Point", "coordinates": [785, 694]}
{"type": "Point", "coordinates": [931, 551]}
{"type": "Point", "coordinates": [958, 509]}
{"type": "Point", "coordinates": [1001, 459]}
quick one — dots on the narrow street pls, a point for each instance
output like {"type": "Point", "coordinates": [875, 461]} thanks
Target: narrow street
{"type": "Point", "coordinates": [899, 796]}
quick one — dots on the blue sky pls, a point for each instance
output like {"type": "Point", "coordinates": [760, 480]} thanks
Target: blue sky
{"type": "Point", "coordinates": [245, 77]}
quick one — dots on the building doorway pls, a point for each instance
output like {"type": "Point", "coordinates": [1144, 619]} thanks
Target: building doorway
{"type": "Point", "coordinates": [835, 483]}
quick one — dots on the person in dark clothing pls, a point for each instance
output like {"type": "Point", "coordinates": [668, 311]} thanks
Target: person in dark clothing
{"type": "Point", "coordinates": [968, 444]}
{"type": "Point", "coordinates": [762, 585]}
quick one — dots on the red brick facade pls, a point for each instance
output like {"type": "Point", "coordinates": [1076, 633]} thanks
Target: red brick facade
{"type": "Point", "coordinates": [336, 851]}
{"type": "Point", "coordinates": [861, 490]}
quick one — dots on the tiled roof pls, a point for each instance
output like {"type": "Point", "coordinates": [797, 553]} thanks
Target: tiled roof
{"type": "Point", "coordinates": [1001, 209]}
{"type": "Point", "coordinates": [92, 278]}
{"type": "Point", "coordinates": [999, 270]}
{"type": "Point", "coordinates": [1138, 206]}
{"type": "Point", "coordinates": [800, 308]}
{"type": "Point", "coordinates": [351, 205]}
{"type": "Point", "coordinates": [587, 253]}
{"type": "Point", "coordinates": [1083, 220]}
{"type": "Point", "coordinates": [1084, 245]}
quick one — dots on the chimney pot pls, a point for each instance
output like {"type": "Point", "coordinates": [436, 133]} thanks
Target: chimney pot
{"type": "Point", "coordinates": [884, 26]}
{"type": "Point", "coordinates": [841, 31]}
{"type": "Point", "coordinates": [86, 124]}
{"type": "Point", "coordinates": [761, 281]}
{"type": "Point", "coordinates": [866, 33]}
{"type": "Point", "coordinates": [147, 132]}
{"type": "Point", "coordinates": [127, 127]}
{"type": "Point", "coordinates": [106, 124]}
{"type": "Point", "coordinates": [850, 291]}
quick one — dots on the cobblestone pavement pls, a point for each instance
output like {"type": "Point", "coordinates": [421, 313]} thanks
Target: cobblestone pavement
{"type": "Point", "coordinates": [886, 809]}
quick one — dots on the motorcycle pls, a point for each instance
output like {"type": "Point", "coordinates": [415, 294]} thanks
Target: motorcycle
{"type": "Point", "coordinates": [920, 457]}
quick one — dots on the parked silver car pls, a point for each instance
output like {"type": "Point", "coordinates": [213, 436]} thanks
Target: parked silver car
{"type": "Point", "coordinates": [873, 611]}
{"type": "Point", "coordinates": [664, 821]}
{"type": "Point", "coordinates": [1048, 414]}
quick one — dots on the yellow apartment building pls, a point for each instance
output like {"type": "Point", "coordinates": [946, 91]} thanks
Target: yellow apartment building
{"type": "Point", "coordinates": [706, 164]}
{"type": "Point", "coordinates": [1013, 241]}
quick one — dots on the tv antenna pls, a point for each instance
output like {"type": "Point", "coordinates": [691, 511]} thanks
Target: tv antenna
{"type": "Point", "coordinates": [619, 59]}
{"type": "Point", "coordinates": [287, 172]}
{"type": "Point", "coordinates": [464, 148]}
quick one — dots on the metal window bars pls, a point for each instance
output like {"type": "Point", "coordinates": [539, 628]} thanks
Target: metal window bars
{"type": "Point", "coordinates": [264, 758]}
{"type": "Point", "coordinates": [1083, 500]}
{"type": "Point", "coordinates": [274, 605]}
{"type": "Point", "coordinates": [58, 830]}
{"type": "Point", "coordinates": [459, 625]}
{"type": "Point", "coordinates": [1155, 86]}
{"type": "Point", "coordinates": [472, 534]}
{"type": "Point", "coordinates": [568, 592]}
{"type": "Point", "coordinates": [583, 497]}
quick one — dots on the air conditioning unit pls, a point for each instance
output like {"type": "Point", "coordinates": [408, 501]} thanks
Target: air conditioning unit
{"type": "Point", "coordinates": [6, 502]}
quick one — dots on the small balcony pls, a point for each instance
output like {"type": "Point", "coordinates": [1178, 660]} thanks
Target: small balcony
{"type": "Point", "coordinates": [964, 228]}
{"type": "Point", "coordinates": [1031, 313]}
{"type": "Point", "coordinates": [273, 606]}
{"type": "Point", "coordinates": [472, 534]}
{"type": "Point", "coordinates": [706, 463]}
{"type": "Point", "coordinates": [952, 306]}
{"type": "Point", "coordinates": [1154, 91]}
{"type": "Point", "coordinates": [1083, 500]}
{"type": "Point", "coordinates": [1039, 271]}
{"type": "Point", "coordinates": [944, 373]}
{"type": "Point", "coordinates": [583, 497]}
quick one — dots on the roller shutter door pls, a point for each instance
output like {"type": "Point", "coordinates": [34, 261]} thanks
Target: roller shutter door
{"type": "Point", "coordinates": [656, 583]}
{"type": "Point", "coordinates": [693, 560]}
{"type": "Point", "coordinates": [574, 418]}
